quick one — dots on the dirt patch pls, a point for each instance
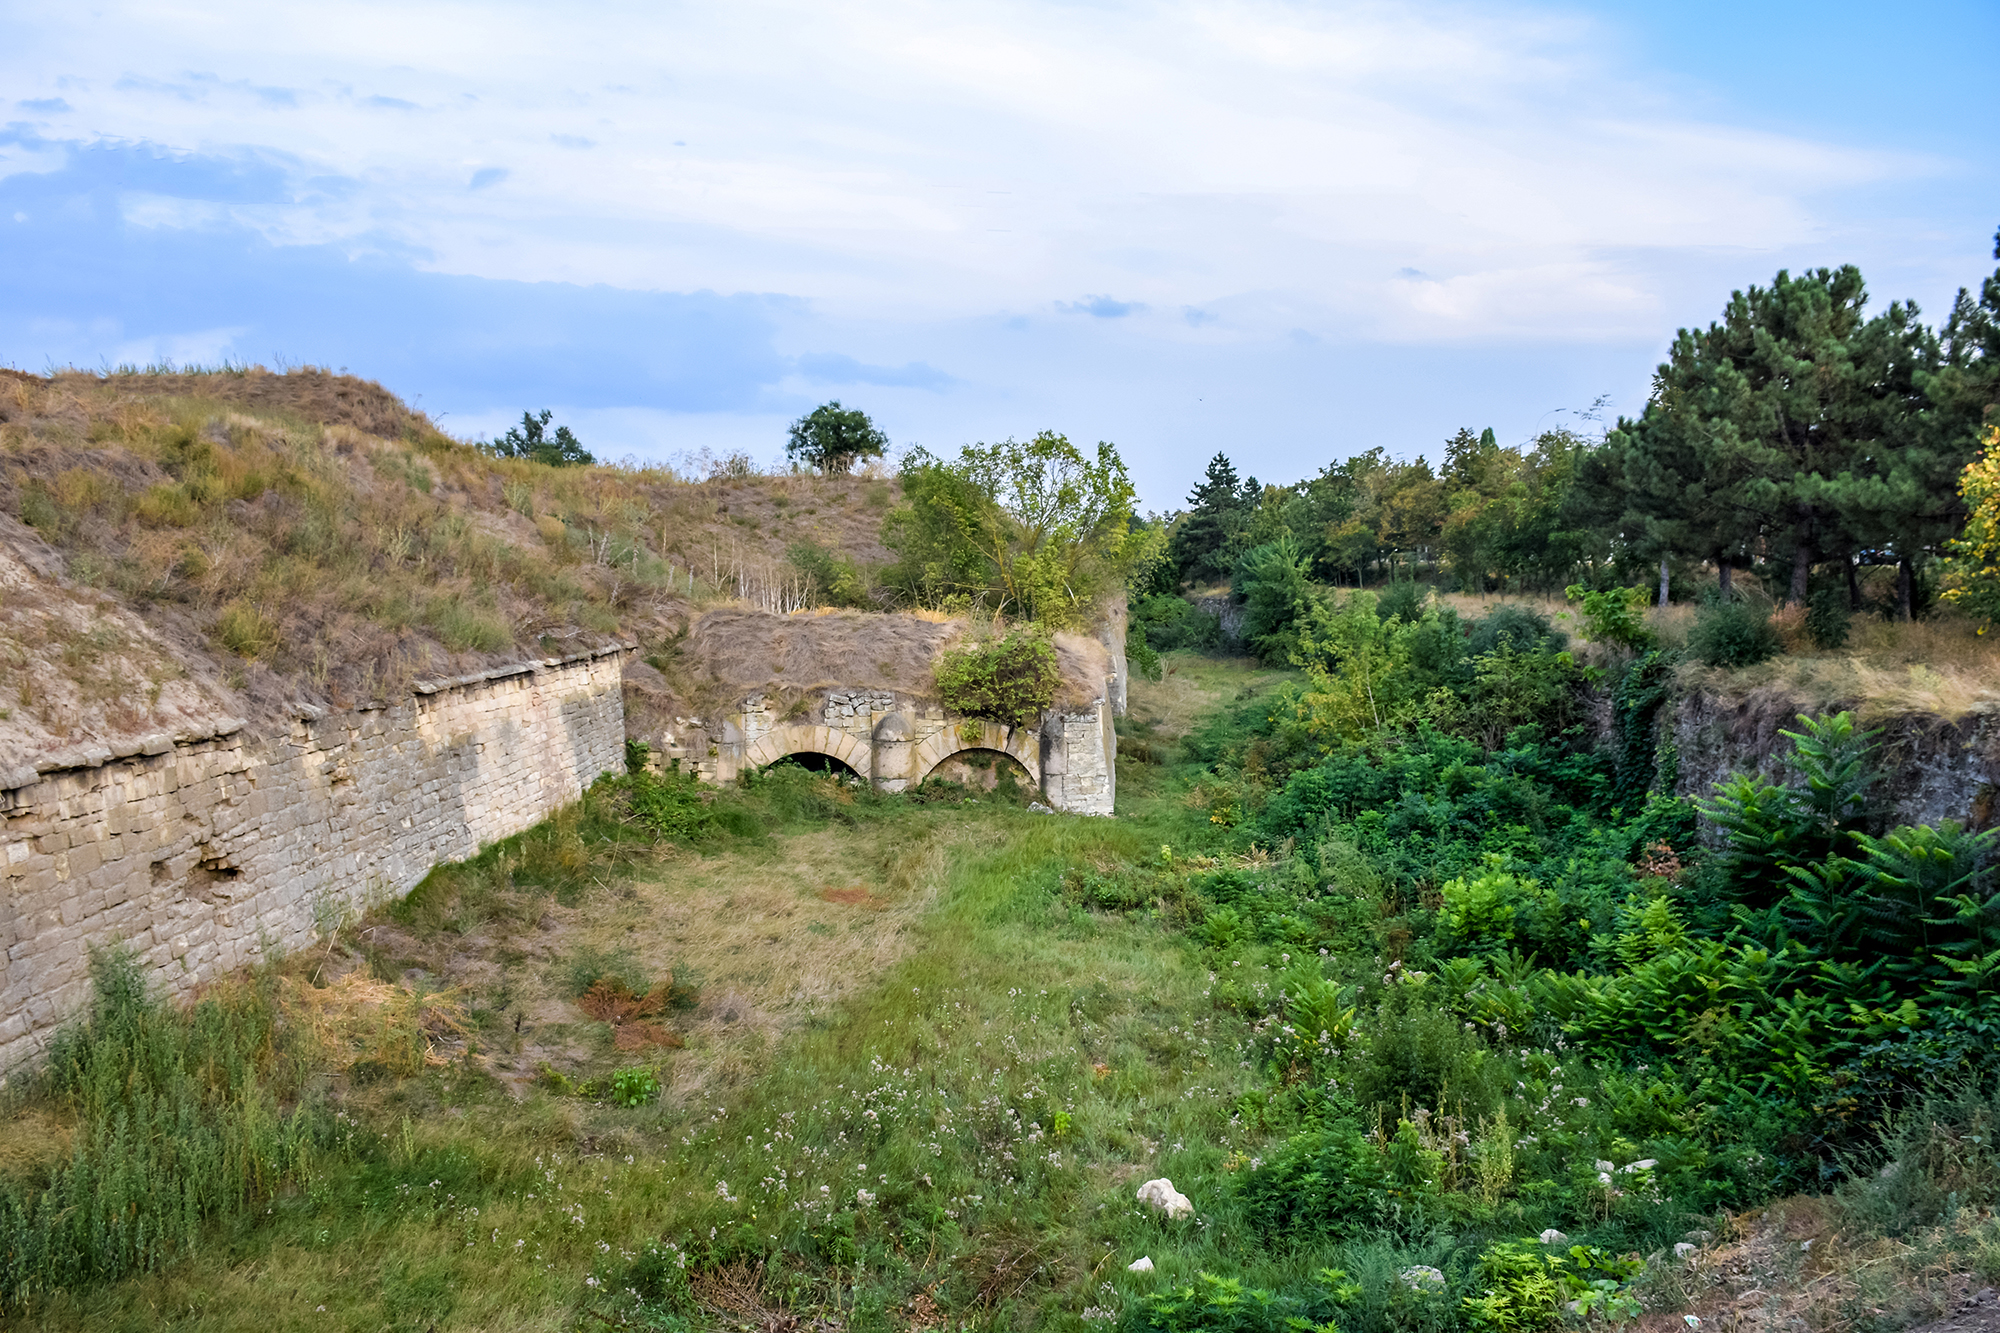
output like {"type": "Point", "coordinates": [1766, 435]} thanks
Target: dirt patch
{"type": "Point", "coordinates": [857, 896]}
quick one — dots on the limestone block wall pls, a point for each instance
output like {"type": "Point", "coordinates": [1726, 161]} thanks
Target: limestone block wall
{"type": "Point", "coordinates": [1079, 760]}
{"type": "Point", "coordinates": [202, 853]}
{"type": "Point", "coordinates": [895, 740]}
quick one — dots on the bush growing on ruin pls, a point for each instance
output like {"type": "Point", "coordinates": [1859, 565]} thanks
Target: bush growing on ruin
{"type": "Point", "coordinates": [1010, 680]}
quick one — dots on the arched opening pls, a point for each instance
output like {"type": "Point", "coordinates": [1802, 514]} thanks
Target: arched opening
{"type": "Point", "coordinates": [814, 762]}
{"type": "Point", "coordinates": [982, 773]}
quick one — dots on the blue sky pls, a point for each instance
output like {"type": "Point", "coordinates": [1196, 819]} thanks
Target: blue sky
{"type": "Point", "coordinates": [1285, 230]}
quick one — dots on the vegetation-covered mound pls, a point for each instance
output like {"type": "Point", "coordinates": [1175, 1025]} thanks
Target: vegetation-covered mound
{"type": "Point", "coordinates": [180, 547]}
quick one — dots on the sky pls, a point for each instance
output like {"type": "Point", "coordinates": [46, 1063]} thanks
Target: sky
{"type": "Point", "coordinates": [1285, 231]}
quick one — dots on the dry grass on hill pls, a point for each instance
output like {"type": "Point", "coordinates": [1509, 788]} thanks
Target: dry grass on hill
{"type": "Point", "coordinates": [246, 543]}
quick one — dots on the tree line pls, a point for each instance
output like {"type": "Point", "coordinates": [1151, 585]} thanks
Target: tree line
{"type": "Point", "coordinates": [1797, 437]}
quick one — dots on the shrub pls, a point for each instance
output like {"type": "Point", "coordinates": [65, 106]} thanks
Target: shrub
{"type": "Point", "coordinates": [1936, 1157]}
{"type": "Point", "coordinates": [245, 631]}
{"type": "Point", "coordinates": [1518, 628]}
{"type": "Point", "coordinates": [836, 580]}
{"type": "Point", "coordinates": [1171, 623]}
{"type": "Point", "coordinates": [635, 1086]}
{"type": "Point", "coordinates": [1009, 680]}
{"type": "Point", "coordinates": [1828, 618]}
{"type": "Point", "coordinates": [1324, 1183]}
{"type": "Point", "coordinates": [1732, 634]}
{"type": "Point", "coordinates": [1271, 580]}
{"type": "Point", "coordinates": [1402, 601]}
{"type": "Point", "coordinates": [1614, 615]}
{"type": "Point", "coordinates": [670, 805]}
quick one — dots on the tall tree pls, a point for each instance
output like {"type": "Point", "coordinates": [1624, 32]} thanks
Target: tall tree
{"type": "Point", "coordinates": [833, 439]}
{"type": "Point", "coordinates": [1035, 529]}
{"type": "Point", "coordinates": [1206, 540]}
{"type": "Point", "coordinates": [1751, 422]}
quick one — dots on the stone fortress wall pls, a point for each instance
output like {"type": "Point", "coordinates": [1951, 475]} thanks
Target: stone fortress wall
{"type": "Point", "coordinates": [204, 852]}
{"type": "Point", "coordinates": [894, 740]}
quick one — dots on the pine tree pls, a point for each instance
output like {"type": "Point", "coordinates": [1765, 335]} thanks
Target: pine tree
{"type": "Point", "coordinates": [1751, 422]}
{"type": "Point", "coordinates": [1203, 547]}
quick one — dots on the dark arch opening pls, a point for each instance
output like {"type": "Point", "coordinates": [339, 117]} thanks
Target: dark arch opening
{"type": "Point", "coordinates": [814, 762]}
{"type": "Point", "coordinates": [982, 774]}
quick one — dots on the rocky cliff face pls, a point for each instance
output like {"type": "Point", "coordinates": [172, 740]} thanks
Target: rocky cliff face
{"type": "Point", "coordinates": [1933, 768]}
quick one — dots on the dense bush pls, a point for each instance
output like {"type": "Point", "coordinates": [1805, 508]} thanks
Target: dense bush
{"type": "Point", "coordinates": [1009, 680]}
{"type": "Point", "coordinates": [1614, 615]}
{"type": "Point", "coordinates": [835, 579]}
{"type": "Point", "coordinates": [1828, 617]}
{"type": "Point", "coordinates": [1171, 623]}
{"type": "Point", "coordinates": [1270, 581]}
{"type": "Point", "coordinates": [1733, 634]}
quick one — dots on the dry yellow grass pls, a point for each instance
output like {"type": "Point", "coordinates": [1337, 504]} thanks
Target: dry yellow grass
{"type": "Point", "coordinates": [356, 1018]}
{"type": "Point", "coordinates": [1941, 667]}
{"type": "Point", "coordinates": [773, 938]}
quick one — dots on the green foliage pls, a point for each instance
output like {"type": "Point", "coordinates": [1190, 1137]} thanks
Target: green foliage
{"type": "Point", "coordinates": [1774, 831]}
{"type": "Point", "coordinates": [180, 1119]}
{"type": "Point", "coordinates": [836, 580]}
{"type": "Point", "coordinates": [1972, 575]}
{"type": "Point", "coordinates": [638, 754]}
{"type": "Point", "coordinates": [833, 439]}
{"type": "Point", "coordinates": [1270, 580]}
{"type": "Point", "coordinates": [1527, 1284]}
{"type": "Point", "coordinates": [1828, 617]}
{"type": "Point", "coordinates": [1322, 1183]}
{"type": "Point", "coordinates": [1037, 530]}
{"type": "Point", "coordinates": [1614, 615]}
{"type": "Point", "coordinates": [531, 441]}
{"type": "Point", "coordinates": [635, 1085]}
{"type": "Point", "coordinates": [672, 806]}
{"type": "Point", "coordinates": [1171, 623]}
{"type": "Point", "coordinates": [1009, 680]}
{"type": "Point", "coordinates": [1480, 910]}
{"type": "Point", "coordinates": [1733, 634]}
{"type": "Point", "coordinates": [1222, 1305]}
{"type": "Point", "coordinates": [1207, 539]}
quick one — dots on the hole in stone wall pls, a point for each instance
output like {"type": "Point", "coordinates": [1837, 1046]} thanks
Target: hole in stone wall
{"type": "Point", "coordinates": [814, 762]}
{"type": "Point", "coordinates": [160, 872]}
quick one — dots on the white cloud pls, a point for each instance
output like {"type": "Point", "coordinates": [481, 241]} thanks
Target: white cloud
{"type": "Point", "coordinates": [920, 161]}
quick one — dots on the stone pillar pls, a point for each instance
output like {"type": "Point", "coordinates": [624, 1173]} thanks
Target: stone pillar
{"type": "Point", "coordinates": [890, 759]}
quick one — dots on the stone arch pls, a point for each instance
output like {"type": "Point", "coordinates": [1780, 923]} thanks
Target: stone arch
{"type": "Point", "coordinates": [1018, 743]}
{"type": "Point", "coordinates": [789, 738]}
{"type": "Point", "coordinates": [985, 770]}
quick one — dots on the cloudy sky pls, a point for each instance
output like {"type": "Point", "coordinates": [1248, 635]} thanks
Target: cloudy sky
{"type": "Point", "coordinates": [1285, 230]}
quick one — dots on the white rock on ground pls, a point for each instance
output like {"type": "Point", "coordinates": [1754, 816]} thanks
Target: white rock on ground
{"type": "Point", "coordinates": [1143, 1264]}
{"type": "Point", "coordinates": [1162, 1195]}
{"type": "Point", "coordinates": [1554, 1237]}
{"type": "Point", "coordinates": [1417, 1275]}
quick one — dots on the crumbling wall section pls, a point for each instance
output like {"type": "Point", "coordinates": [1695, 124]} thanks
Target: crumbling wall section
{"type": "Point", "coordinates": [203, 852]}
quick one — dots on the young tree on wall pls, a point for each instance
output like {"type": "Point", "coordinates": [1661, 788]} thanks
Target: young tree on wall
{"type": "Point", "coordinates": [833, 439]}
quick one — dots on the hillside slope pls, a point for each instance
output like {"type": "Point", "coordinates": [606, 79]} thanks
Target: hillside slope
{"type": "Point", "coordinates": [180, 549]}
